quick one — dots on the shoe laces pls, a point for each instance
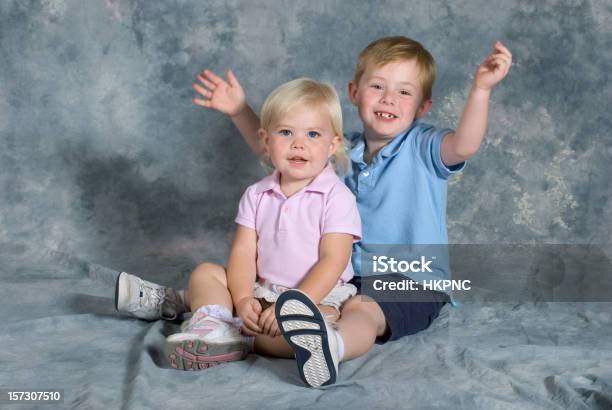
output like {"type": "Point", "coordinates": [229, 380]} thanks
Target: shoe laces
{"type": "Point", "coordinates": [151, 297]}
{"type": "Point", "coordinates": [202, 322]}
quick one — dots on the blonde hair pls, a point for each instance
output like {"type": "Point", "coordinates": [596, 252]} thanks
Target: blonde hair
{"type": "Point", "coordinates": [306, 92]}
{"type": "Point", "coordinates": [391, 49]}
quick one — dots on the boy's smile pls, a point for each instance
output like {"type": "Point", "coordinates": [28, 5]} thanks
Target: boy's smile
{"type": "Point", "coordinates": [388, 99]}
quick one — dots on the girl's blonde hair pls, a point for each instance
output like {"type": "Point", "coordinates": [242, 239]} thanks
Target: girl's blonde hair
{"type": "Point", "coordinates": [306, 92]}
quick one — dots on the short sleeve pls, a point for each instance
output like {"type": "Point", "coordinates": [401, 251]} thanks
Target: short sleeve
{"type": "Point", "coordinates": [428, 146]}
{"type": "Point", "coordinates": [341, 213]}
{"type": "Point", "coordinates": [247, 207]}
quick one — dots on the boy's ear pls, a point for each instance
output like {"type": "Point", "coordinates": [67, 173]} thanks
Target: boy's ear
{"type": "Point", "coordinates": [352, 92]}
{"type": "Point", "coordinates": [424, 108]}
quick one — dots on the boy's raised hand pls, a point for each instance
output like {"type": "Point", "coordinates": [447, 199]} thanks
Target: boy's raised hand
{"type": "Point", "coordinates": [494, 68]}
{"type": "Point", "coordinates": [225, 96]}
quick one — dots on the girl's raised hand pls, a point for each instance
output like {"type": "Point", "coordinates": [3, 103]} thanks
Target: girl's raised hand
{"type": "Point", "coordinates": [494, 68]}
{"type": "Point", "coordinates": [225, 96]}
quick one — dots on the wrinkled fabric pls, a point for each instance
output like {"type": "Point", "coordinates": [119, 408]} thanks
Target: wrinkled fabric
{"type": "Point", "coordinates": [61, 331]}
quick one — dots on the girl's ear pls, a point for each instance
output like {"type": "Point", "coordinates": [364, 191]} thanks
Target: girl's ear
{"type": "Point", "coordinates": [335, 144]}
{"type": "Point", "coordinates": [263, 136]}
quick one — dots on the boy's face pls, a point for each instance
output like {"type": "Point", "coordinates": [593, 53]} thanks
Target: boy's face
{"type": "Point", "coordinates": [300, 143]}
{"type": "Point", "coordinates": [389, 99]}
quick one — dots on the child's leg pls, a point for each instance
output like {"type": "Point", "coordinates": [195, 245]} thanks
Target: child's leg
{"type": "Point", "coordinates": [361, 322]}
{"type": "Point", "coordinates": [211, 336]}
{"type": "Point", "coordinates": [208, 286]}
{"type": "Point", "coordinates": [273, 346]}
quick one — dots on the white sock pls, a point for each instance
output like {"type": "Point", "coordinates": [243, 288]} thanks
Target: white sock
{"type": "Point", "coordinates": [217, 311]}
{"type": "Point", "coordinates": [340, 345]}
{"type": "Point", "coordinates": [181, 294]}
{"type": "Point", "coordinates": [250, 340]}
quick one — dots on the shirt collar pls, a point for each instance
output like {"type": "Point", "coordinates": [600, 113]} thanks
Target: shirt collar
{"type": "Point", "coordinates": [321, 183]}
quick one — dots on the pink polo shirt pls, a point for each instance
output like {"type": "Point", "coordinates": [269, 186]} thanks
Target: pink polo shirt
{"type": "Point", "coordinates": [289, 229]}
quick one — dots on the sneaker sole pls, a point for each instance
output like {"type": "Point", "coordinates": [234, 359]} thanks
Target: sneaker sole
{"type": "Point", "coordinates": [303, 327]}
{"type": "Point", "coordinates": [195, 354]}
{"type": "Point", "coordinates": [117, 292]}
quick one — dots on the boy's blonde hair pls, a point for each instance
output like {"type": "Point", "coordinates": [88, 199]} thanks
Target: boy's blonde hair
{"type": "Point", "coordinates": [306, 92]}
{"type": "Point", "coordinates": [391, 49]}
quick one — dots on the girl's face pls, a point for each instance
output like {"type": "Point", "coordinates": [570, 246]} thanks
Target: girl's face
{"type": "Point", "coordinates": [300, 144]}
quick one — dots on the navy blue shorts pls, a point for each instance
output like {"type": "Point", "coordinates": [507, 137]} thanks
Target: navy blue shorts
{"type": "Point", "coordinates": [416, 310]}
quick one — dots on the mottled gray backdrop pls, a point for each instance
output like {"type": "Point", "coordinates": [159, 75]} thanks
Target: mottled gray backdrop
{"type": "Point", "coordinates": [104, 157]}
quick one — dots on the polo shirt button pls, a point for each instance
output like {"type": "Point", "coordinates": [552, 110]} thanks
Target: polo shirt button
{"type": "Point", "coordinates": [285, 209]}
{"type": "Point", "coordinates": [365, 174]}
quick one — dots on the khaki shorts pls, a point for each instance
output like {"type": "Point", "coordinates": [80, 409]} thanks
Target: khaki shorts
{"type": "Point", "coordinates": [268, 293]}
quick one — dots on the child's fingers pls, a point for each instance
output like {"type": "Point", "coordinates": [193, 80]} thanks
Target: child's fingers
{"type": "Point", "coordinates": [256, 306]}
{"type": "Point", "coordinates": [262, 318]}
{"type": "Point", "coordinates": [245, 330]}
{"type": "Point", "coordinates": [213, 77]}
{"type": "Point", "coordinates": [203, 103]}
{"type": "Point", "coordinates": [269, 325]}
{"type": "Point", "coordinates": [497, 61]}
{"type": "Point", "coordinates": [231, 78]}
{"type": "Point", "coordinates": [251, 324]}
{"type": "Point", "coordinates": [251, 319]}
{"type": "Point", "coordinates": [274, 330]}
{"type": "Point", "coordinates": [502, 63]}
{"type": "Point", "coordinates": [503, 49]}
{"type": "Point", "coordinates": [202, 90]}
{"type": "Point", "coordinates": [207, 83]}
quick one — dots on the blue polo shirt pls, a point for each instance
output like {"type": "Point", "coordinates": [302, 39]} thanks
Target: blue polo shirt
{"type": "Point", "coordinates": [401, 194]}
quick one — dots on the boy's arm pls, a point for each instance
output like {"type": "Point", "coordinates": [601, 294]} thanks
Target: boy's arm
{"type": "Point", "coordinates": [459, 146]}
{"type": "Point", "coordinates": [334, 254]}
{"type": "Point", "coordinates": [229, 98]}
{"type": "Point", "coordinates": [247, 123]}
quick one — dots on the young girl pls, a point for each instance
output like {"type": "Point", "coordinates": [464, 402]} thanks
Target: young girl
{"type": "Point", "coordinates": [295, 230]}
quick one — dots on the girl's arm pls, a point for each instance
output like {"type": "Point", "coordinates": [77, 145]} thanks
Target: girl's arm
{"type": "Point", "coordinates": [334, 254]}
{"type": "Point", "coordinates": [241, 267]}
{"type": "Point", "coordinates": [241, 275]}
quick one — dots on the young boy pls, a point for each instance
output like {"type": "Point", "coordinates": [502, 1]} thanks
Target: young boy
{"type": "Point", "coordinates": [400, 167]}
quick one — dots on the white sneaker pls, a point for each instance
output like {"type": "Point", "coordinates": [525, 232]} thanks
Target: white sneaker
{"type": "Point", "coordinates": [313, 340]}
{"type": "Point", "coordinates": [205, 341]}
{"type": "Point", "coordinates": [146, 300]}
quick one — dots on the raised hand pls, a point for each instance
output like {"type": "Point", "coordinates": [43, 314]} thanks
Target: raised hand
{"type": "Point", "coordinates": [225, 96]}
{"type": "Point", "coordinates": [494, 68]}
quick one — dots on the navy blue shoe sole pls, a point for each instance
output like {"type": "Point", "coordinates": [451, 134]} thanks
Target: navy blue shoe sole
{"type": "Point", "coordinates": [303, 327]}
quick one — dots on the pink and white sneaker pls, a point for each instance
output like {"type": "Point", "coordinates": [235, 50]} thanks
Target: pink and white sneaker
{"type": "Point", "coordinates": [204, 342]}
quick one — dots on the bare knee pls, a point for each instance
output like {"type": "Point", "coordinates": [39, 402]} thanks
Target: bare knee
{"type": "Point", "coordinates": [354, 303]}
{"type": "Point", "coordinates": [364, 305]}
{"type": "Point", "coordinates": [209, 271]}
